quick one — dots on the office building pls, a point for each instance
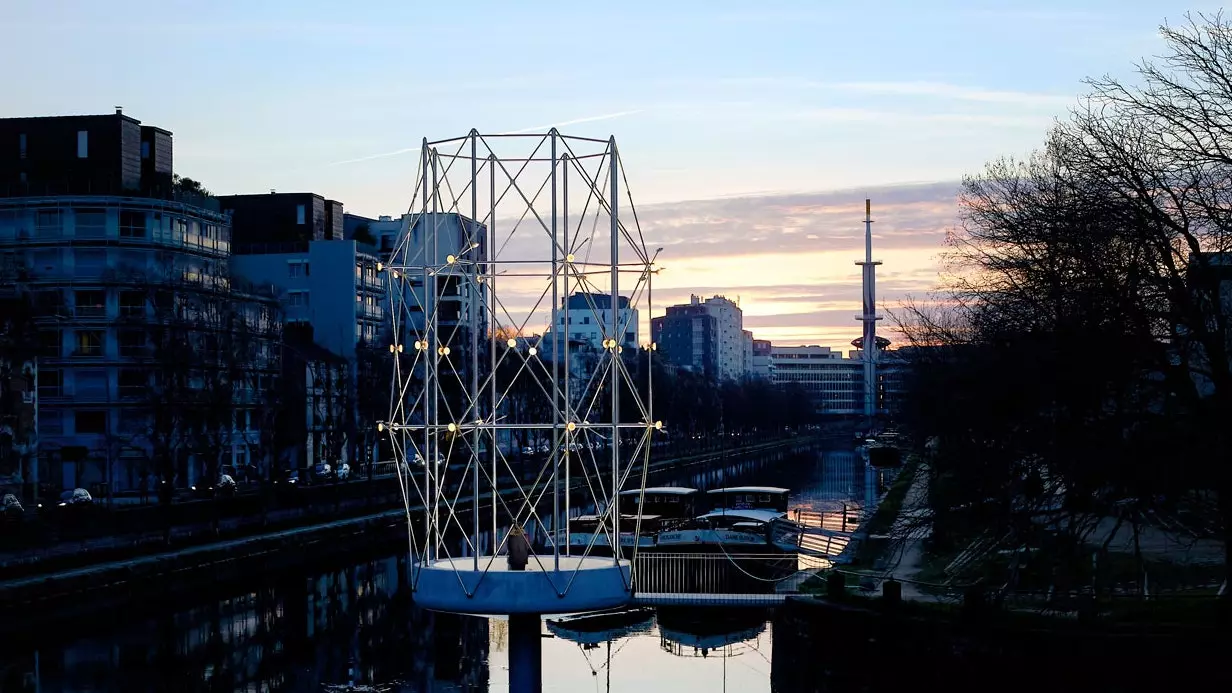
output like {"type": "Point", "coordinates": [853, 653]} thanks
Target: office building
{"type": "Point", "coordinates": [705, 336]}
{"type": "Point", "coordinates": [417, 238]}
{"type": "Point", "coordinates": [329, 286]}
{"type": "Point", "coordinates": [687, 338]}
{"type": "Point", "coordinates": [836, 384]}
{"type": "Point", "coordinates": [134, 305]}
{"type": "Point", "coordinates": [761, 364]}
{"type": "Point", "coordinates": [263, 221]}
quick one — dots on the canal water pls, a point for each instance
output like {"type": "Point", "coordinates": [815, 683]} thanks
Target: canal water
{"type": "Point", "coordinates": [316, 632]}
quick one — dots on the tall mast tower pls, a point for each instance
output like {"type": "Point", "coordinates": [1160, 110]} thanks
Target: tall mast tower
{"type": "Point", "coordinates": [869, 317]}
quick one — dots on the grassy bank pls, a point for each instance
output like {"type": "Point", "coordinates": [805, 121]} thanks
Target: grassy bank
{"type": "Point", "coordinates": [882, 521]}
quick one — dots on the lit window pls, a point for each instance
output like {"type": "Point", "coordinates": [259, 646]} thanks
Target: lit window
{"type": "Point", "coordinates": [299, 214]}
{"type": "Point", "coordinates": [83, 144]}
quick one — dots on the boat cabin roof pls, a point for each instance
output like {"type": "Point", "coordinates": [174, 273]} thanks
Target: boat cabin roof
{"type": "Point", "coordinates": [753, 515]}
{"type": "Point", "coordinates": [592, 518]}
{"type": "Point", "coordinates": [672, 490]}
{"type": "Point", "coordinates": [750, 489]}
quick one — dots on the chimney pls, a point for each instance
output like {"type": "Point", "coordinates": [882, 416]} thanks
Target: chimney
{"type": "Point", "coordinates": [119, 110]}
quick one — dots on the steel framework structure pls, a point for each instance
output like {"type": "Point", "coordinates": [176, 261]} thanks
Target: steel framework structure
{"type": "Point", "coordinates": [485, 363]}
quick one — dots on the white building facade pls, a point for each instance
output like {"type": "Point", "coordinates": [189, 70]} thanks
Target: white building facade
{"type": "Point", "coordinates": [729, 335]}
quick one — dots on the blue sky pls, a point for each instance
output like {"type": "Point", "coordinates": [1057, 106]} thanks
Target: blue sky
{"type": "Point", "coordinates": [769, 102]}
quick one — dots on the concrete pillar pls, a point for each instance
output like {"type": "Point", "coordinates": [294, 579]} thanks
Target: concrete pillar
{"type": "Point", "coordinates": [525, 654]}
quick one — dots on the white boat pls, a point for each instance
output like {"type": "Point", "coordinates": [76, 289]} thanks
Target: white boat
{"type": "Point", "coordinates": [591, 534]}
{"type": "Point", "coordinates": [732, 530]}
{"type": "Point", "coordinates": [741, 522]}
{"type": "Point", "coordinates": [654, 510]}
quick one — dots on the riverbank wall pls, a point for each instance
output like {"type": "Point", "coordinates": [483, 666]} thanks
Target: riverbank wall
{"type": "Point", "coordinates": [824, 646]}
{"type": "Point", "coordinates": [167, 576]}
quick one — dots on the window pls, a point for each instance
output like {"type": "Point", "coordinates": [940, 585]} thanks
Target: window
{"type": "Point", "coordinates": [132, 303]}
{"type": "Point", "coordinates": [46, 260]}
{"type": "Point", "coordinates": [133, 421]}
{"type": "Point", "coordinates": [49, 302]}
{"type": "Point", "coordinates": [50, 383]}
{"type": "Point", "coordinates": [297, 298]}
{"type": "Point", "coordinates": [299, 214]}
{"type": "Point", "coordinates": [47, 223]}
{"type": "Point", "coordinates": [133, 383]}
{"type": "Point", "coordinates": [132, 224]}
{"type": "Point", "coordinates": [88, 261]}
{"type": "Point", "coordinates": [90, 343]}
{"type": "Point", "coordinates": [51, 423]}
{"type": "Point", "coordinates": [145, 149]}
{"type": "Point", "coordinates": [90, 384]}
{"type": "Point", "coordinates": [51, 343]}
{"type": "Point", "coordinates": [83, 144]}
{"type": "Point", "coordinates": [21, 145]}
{"type": "Point", "coordinates": [91, 422]}
{"type": "Point", "coordinates": [132, 343]}
{"type": "Point", "coordinates": [91, 223]}
{"type": "Point", "coordinates": [90, 304]}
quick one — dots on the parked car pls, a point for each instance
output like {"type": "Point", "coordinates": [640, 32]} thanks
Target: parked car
{"type": "Point", "coordinates": [11, 512]}
{"type": "Point", "coordinates": [76, 498]}
{"type": "Point", "coordinates": [226, 486]}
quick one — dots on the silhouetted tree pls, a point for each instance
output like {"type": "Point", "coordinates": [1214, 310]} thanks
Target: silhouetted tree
{"type": "Point", "coordinates": [1085, 334]}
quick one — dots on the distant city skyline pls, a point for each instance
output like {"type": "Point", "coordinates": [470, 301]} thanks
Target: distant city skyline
{"type": "Point", "coordinates": [751, 135]}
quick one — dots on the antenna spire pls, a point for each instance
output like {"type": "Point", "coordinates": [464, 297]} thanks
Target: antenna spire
{"type": "Point", "coordinates": [869, 317]}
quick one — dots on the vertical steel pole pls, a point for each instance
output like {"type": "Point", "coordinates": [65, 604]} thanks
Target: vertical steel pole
{"type": "Point", "coordinates": [569, 414]}
{"type": "Point", "coordinates": [433, 357]}
{"type": "Point", "coordinates": [492, 308]}
{"type": "Point", "coordinates": [615, 374]}
{"type": "Point", "coordinates": [556, 346]}
{"type": "Point", "coordinates": [422, 249]}
{"type": "Point", "coordinates": [472, 296]}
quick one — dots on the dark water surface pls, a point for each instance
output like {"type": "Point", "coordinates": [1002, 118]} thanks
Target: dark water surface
{"type": "Point", "coordinates": [307, 632]}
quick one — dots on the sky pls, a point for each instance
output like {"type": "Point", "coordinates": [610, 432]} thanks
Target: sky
{"type": "Point", "coordinates": [751, 131]}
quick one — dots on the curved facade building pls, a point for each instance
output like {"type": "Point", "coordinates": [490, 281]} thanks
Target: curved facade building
{"type": "Point", "coordinates": [141, 331]}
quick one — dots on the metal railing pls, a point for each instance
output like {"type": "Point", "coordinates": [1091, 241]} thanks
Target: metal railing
{"type": "Point", "coordinates": [712, 573]}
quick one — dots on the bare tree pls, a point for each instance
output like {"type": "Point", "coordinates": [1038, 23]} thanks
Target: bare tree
{"type": "Point", "coordinates": [1087, 281]}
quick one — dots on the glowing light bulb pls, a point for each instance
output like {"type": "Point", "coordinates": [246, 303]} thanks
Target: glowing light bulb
{"type": "Point", "coordinates": [512, 343]}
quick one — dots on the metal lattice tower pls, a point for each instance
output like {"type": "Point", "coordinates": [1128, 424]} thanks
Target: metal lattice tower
{"type": "Point", "coordinates": [869, 317]}
{"type": "Point", "coordinates": [513, 244]}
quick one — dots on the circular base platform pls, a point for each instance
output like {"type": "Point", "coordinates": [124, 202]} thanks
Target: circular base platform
{"type": "Point", "coordinates": [581, 584]}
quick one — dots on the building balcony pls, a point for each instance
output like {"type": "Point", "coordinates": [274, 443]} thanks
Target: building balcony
{"type": "Point", "coordinates": [90, 312]}
{"type": "Point", "coordinates": [133, 392]}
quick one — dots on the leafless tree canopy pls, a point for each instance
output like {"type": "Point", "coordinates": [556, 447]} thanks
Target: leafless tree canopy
{"type": "Point", "coordinates": [1084, 336]}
